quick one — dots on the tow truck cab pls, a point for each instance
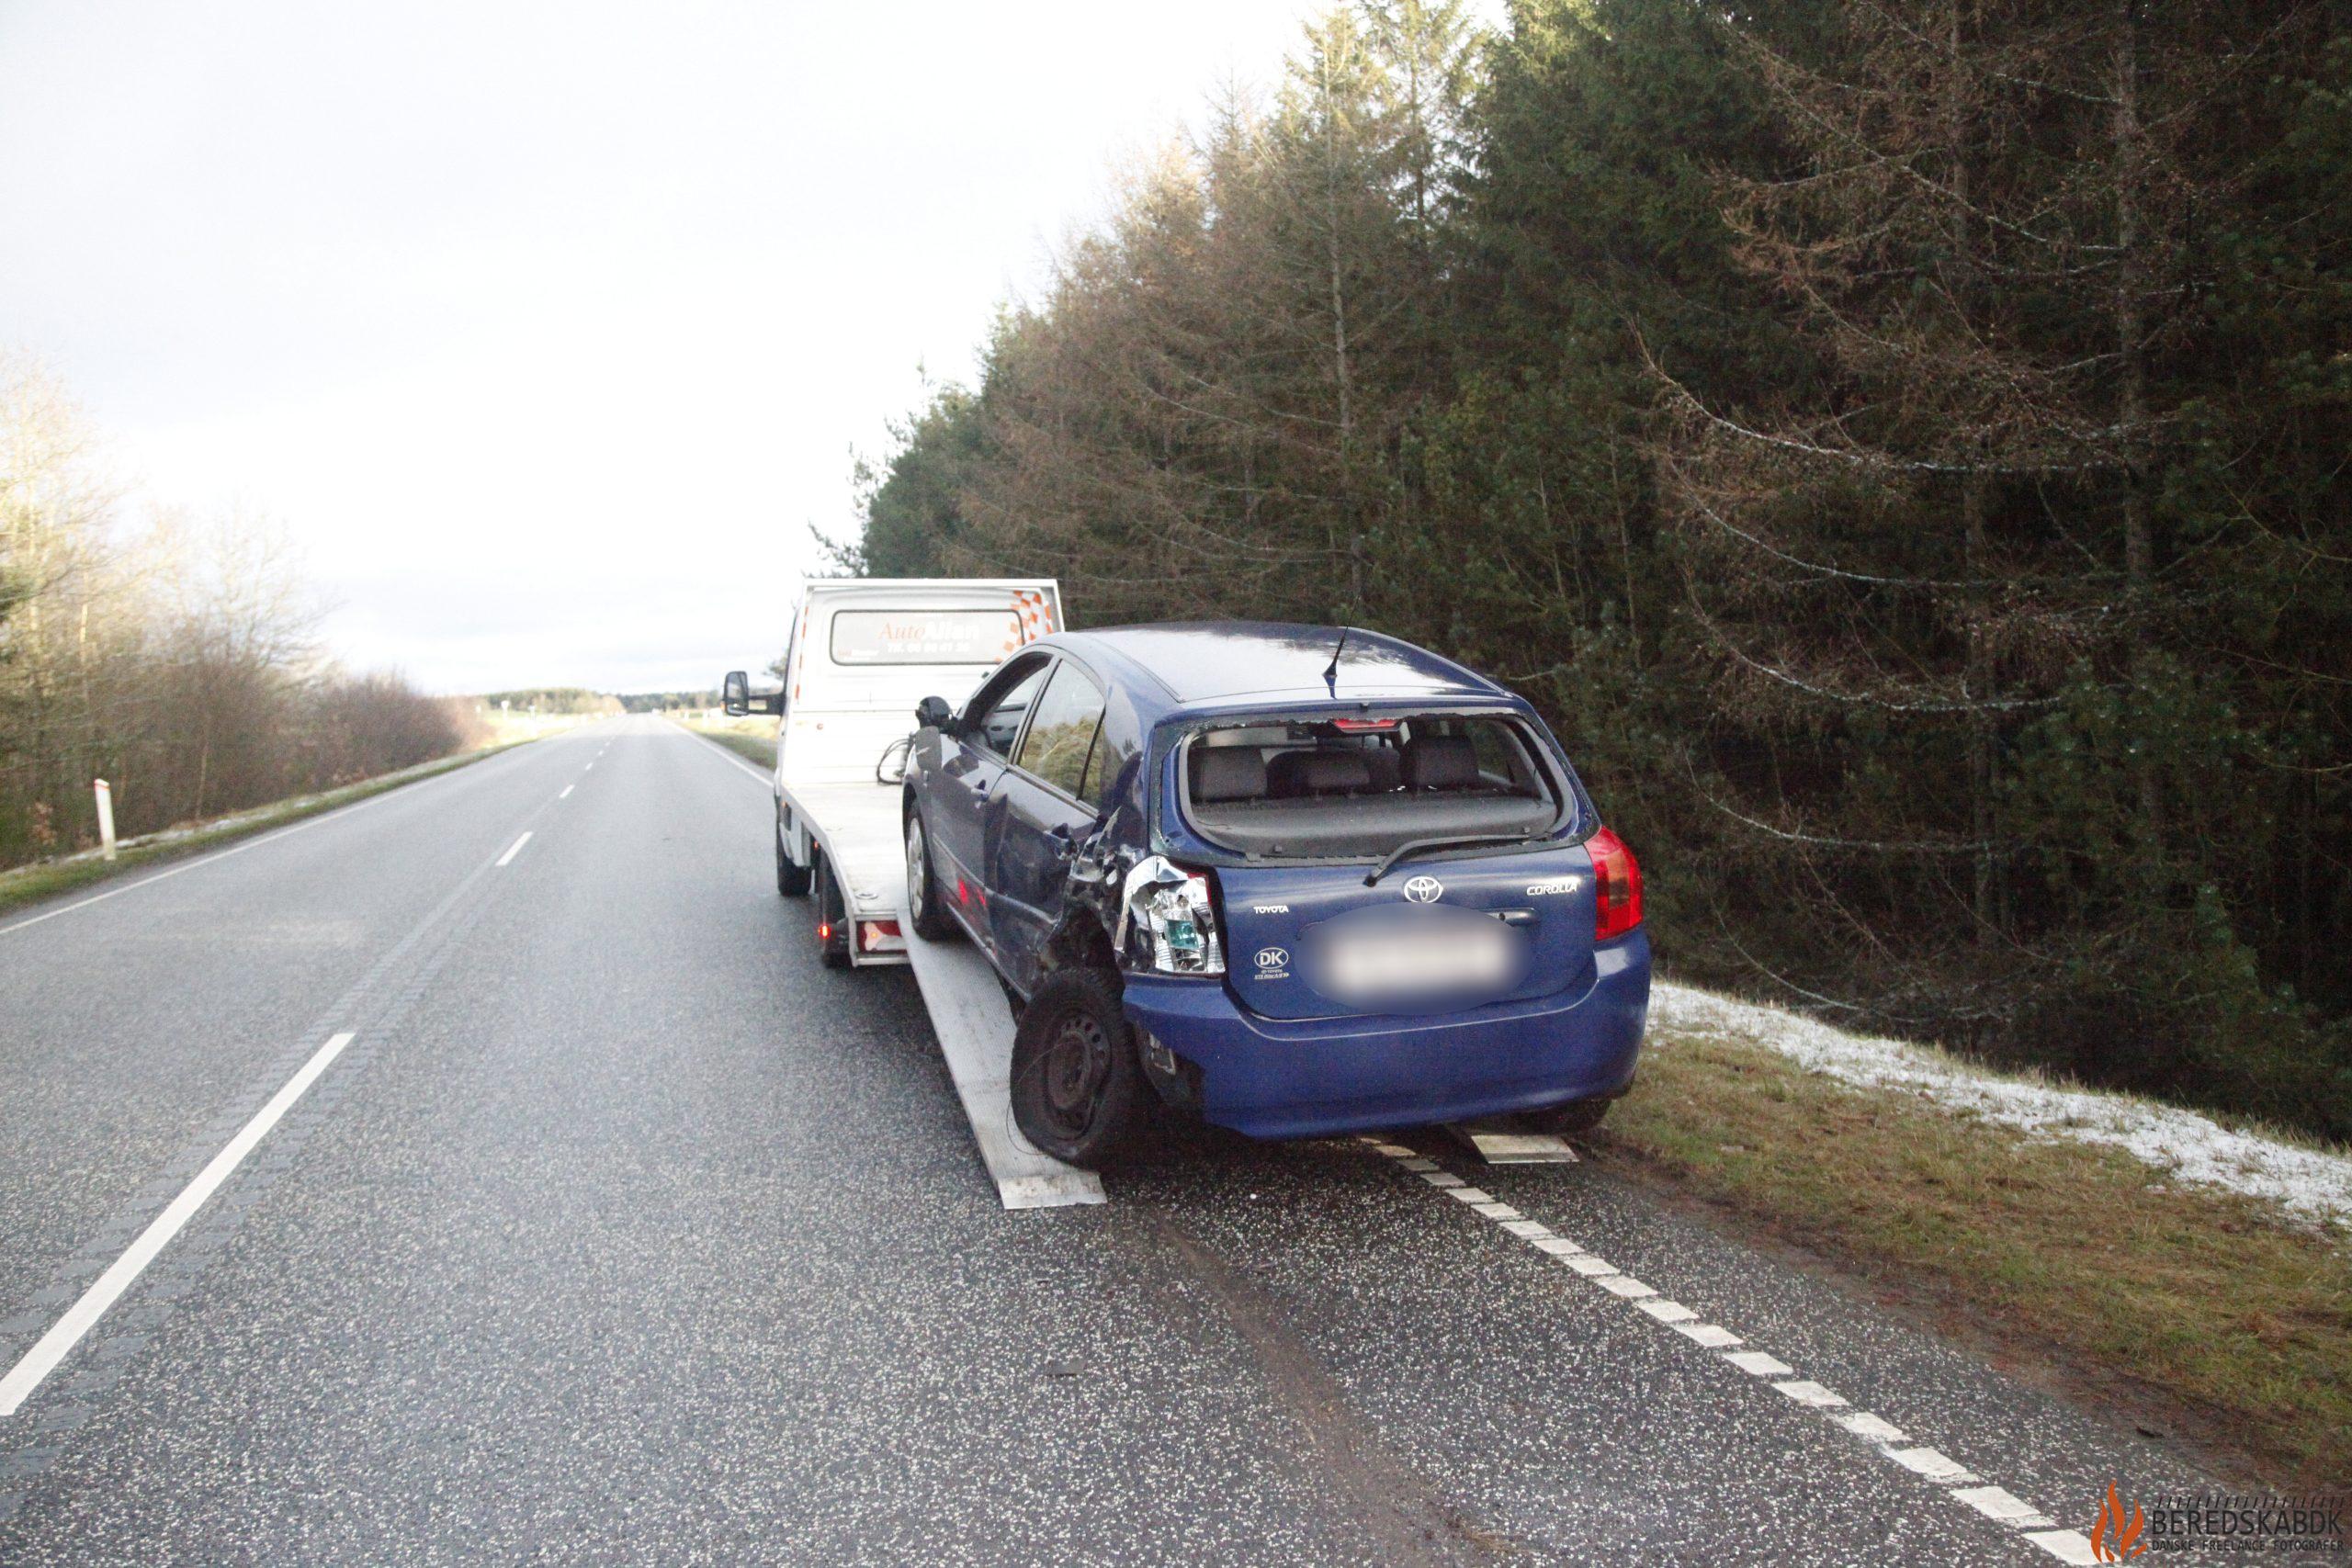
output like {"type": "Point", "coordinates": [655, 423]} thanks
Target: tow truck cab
{"type": "Point", "coordinates": [860, 654]}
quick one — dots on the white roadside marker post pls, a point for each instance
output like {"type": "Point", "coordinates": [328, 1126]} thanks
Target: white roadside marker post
{"type": "Point", "coordinates": [105, 816]}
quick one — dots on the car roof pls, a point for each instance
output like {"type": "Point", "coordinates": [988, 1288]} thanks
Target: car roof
{"type": "Point", "coordinates": [1215, 663]}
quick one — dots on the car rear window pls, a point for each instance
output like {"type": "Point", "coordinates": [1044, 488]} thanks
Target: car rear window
{"type": "Point", "coordinates": [1345, 787]}
{"type": "Point", "coordinates": [924, 636]}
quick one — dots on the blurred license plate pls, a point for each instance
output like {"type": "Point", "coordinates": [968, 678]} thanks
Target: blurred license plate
{"type": "Point", "coordinates": [1418, 960]}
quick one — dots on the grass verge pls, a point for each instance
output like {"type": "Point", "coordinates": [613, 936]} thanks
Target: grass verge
{"type": "Point", "coordinates": [2200, 1304]}
{"type": "Point", "coordinates": [751, 739]}
{"type": "Point", "coordinates": [46, 879]}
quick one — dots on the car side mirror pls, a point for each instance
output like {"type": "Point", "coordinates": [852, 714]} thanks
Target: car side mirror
{"type": "Point", "coordinates": [933, 713]}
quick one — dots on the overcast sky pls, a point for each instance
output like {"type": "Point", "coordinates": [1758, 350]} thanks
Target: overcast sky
{"type": "Point", "coordinates": [547, 328]}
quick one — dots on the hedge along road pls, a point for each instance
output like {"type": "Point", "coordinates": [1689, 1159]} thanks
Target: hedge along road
{"type": "Point", "coordinates": [618, 1228]}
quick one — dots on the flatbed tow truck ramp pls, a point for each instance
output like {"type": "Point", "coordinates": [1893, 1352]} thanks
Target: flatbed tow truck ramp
{"type": "Point", "coordinates": [975, 1027]}
{"type": "Point", "coordinates": [861, 653]}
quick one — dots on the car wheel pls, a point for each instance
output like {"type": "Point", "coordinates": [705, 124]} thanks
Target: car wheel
{"type": "Point", "coordinates": [791, 876]}
{"type": "Point", "coordinates": [1575, 1116]}
{"type": "Point", "coordinates": [1077, 1087]}
{"type": "Point", "coordinates": [930, 921]}
{"type": "Point", "coordinates": [832, 918]}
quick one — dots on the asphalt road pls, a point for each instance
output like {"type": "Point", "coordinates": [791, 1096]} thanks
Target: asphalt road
{"type": "Point", "coordinates": [621, 1231]}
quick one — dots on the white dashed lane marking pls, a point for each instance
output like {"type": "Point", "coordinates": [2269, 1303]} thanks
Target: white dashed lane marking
{"type": "Point", "coordinates": [1995, 1504]}
{"type": "Point", "coordinates": [1811, 1393]}
{"type": "Point", "coordinates": [2066, 1546]}
{"type": "Point", "coordinates": [513, 849]}
{"type": "Point", "coordinates": [567, 790]}
{"type": "Point", "coordinates": [1885, 1438]}
{"type": "Point", "coordinates": [1931, 1464]}
{"type": "Point", "coordinates": [1715, 1337]}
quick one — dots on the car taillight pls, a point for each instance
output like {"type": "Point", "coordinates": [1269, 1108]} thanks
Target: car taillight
{"type": "Point", "coordinates": [1616, 885]}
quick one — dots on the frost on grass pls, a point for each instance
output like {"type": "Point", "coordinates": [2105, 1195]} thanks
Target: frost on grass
{"type": "Point", "coordinates": [2309, 1183]}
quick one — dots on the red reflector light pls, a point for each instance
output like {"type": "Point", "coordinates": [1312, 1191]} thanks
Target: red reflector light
{"type": "Point", "coordinates": [1354, 724]}
{"type": "Point", "coordinates": [824, 931]}
{"type": "Point", "coordinates": [1616, 885]}
{"type": "Point", "coordinates": [875, 936]}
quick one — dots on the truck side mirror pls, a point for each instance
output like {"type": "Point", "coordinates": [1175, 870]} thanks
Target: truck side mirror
{"type": "Point", "coordinates": [933, 713]}
{"type": "Point", "coordinates": [737, 697]}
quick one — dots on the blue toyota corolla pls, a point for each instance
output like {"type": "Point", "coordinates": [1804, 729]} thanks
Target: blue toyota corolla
{"type": "Point", "coordinates": [1300, 879]}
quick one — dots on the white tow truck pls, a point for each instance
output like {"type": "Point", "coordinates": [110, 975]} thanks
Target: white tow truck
{"type": "Point", "coordinates": [861, 652]}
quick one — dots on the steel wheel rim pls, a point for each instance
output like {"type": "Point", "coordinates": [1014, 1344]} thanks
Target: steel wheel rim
{"type": "Point", "coordinates": [915, 878]}
{"type": "Point", "coordinates": [1076, 1069]}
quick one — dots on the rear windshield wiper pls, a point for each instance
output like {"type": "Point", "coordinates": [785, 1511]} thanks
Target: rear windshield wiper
{"type": "Point", "coordinates": [1413, 846]}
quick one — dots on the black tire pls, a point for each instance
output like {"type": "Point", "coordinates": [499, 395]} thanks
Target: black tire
{"type": "Point", "coordinates": [1078, 1091]}
{"type": "Point", "coordinates": [1575, 1116]}
{"type": "Point", "coordinates": [791, 877]}
{"type": "Point", "coordinates": [930, 921]}
{"type": "Point", "coordinates": [832, 918]}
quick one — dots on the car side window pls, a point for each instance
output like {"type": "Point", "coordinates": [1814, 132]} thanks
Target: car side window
{"type": "Point", "coordinates": [1103, 769]}
{"type": "Point", "coordinates": [1061, 737]}
{"type": "Point", "coordinates": [1000, 723]}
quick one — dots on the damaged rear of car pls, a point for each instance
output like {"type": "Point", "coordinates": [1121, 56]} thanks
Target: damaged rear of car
{"type": "Point", "coordinates": [1341, 884]}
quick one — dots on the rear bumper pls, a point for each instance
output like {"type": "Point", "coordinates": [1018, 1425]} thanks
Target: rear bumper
{"type": "Point", "coordinates": [1284, 1078]}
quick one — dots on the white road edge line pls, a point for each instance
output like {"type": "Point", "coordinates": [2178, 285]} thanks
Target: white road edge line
{"type": "Point", "coordinates": [514, 849]}
{"type": "Point", "coordinates": [208, 856]}
{"type": "Point", "coordinates": [1992, 1502]}
{"type": "Point", "coordinates": [54, 1346]}
{"type": "Point", "coordinates": [724, 752]}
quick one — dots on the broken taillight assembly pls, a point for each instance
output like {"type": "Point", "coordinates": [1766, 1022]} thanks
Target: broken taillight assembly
{"type": "Point", "coordinates": [1172, 916]}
